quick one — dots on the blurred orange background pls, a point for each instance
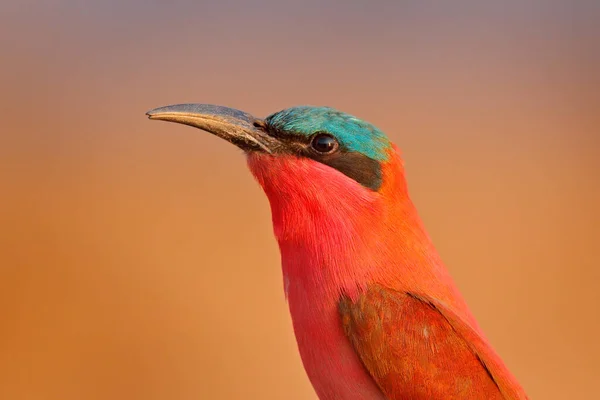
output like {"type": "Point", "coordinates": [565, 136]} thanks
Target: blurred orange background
{"type": "Point", "coordinates": [137, 259]}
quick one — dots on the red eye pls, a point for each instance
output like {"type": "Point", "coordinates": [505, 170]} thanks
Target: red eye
{"type": "Point", "coordinates": [324, 143]}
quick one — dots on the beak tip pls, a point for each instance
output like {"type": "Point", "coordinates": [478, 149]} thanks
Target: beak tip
{"type": "Point", "coordinates": [152, 114]}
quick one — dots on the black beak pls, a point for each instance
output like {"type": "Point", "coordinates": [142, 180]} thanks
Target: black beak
{"type": "Point", "coordinates": [237, 127]}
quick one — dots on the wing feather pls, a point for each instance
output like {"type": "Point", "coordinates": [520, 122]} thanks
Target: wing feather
{"type": "Point", "coordinates": [416, 349]}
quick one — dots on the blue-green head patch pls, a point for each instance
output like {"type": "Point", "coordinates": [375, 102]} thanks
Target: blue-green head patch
{"type": "Point", "coordinates": [353, 134]}
{"type": "Point", "coordinates": [352, 146]}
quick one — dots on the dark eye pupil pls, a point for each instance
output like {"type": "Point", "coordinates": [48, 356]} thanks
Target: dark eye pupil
{"type": "Point", "coordinates": [324, 143]}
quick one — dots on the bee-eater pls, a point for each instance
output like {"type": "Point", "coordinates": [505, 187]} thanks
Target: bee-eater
{"type": "Point", "coordinates": [375, 312]}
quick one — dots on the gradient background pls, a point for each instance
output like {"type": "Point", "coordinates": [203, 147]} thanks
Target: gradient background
{"type": "Point", "coordinates": [137, 259]}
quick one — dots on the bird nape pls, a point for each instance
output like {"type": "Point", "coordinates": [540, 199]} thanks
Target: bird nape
{"type": "Point", "coordinates": [375, 312]}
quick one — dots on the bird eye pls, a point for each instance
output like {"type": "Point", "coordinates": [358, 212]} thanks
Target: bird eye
{"type": "Point", "coordinates": [324, 143]}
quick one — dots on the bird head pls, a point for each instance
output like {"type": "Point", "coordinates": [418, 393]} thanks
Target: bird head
{"type": "Point", "coordinates": [325, 172]}
{"type": "Point", "coordinates": [335, 184]}
{"type": "Point", "coordinates": [311, 137]}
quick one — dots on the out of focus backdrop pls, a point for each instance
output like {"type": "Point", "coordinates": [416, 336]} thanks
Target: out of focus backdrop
{"type": "Point", "coordinates": [137, 259]}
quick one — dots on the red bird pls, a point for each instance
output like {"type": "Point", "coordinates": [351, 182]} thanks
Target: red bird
{"type": "Point", "coordinates": [375, 312]}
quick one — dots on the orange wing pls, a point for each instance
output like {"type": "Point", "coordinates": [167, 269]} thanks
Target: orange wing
{"type": "Point", "coordinates": [415, 349]}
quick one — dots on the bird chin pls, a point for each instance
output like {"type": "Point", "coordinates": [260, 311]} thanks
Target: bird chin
{"type": "Point", "coordinates": [301, 179]}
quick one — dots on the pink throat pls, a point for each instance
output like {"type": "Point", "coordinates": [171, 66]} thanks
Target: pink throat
{"type": "Point", "coordinates": [316, 214]}
{"type": "Point", "coordinates": [335, 235]}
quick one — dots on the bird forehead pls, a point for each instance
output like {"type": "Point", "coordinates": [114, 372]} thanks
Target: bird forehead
{"type": "Point", "coordinates": [354, 133]}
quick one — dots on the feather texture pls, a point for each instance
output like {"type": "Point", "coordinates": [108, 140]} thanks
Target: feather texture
{"type": "Point", "coordinates": [412, 350]}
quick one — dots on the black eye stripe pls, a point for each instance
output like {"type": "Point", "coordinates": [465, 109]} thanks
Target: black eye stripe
{"type": "Point", "coordinates": [354, 165]}
{"type": "Point", "coordinates": [357, 166]}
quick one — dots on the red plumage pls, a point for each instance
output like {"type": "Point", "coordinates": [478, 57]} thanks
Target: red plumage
{"type": "Point", "coordinates": [375, 312]}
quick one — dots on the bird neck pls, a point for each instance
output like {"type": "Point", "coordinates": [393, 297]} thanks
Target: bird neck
{"type": "Point", "coordinates": [336, 235]}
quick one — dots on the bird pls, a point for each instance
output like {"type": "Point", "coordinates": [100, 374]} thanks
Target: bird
{"type": "Point", "coordinates": [375, 312]}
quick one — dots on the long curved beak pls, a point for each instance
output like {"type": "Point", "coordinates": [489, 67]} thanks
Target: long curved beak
{"type": "Point", "coordinates": [242, 129]}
